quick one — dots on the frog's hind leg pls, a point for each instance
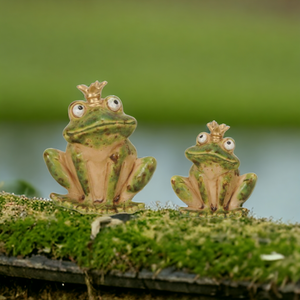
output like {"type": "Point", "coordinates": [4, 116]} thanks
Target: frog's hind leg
{"type": "Point", "coordinates": [57, 165]}
{"type": "Point", "coordinates": [140, 175]}
{"type": "Point", "coordinates": [185, 191]}
{"type": "Point", "coordinates": [246, 184]}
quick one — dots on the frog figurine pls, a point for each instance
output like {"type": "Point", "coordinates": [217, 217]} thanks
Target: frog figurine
{"type": "Point", "coordinates": [100, 168]}
{"type": "Point", "coordinates": [214, 183]}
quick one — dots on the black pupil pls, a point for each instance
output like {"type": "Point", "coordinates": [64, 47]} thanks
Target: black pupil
{"type": "Point", "coordinates": [228, 142]}
{"type": "Point", "coordinates": [116, 102]}
{"type": "Point", "coordinates": [80, 107]}
{"type": "Point", "coordinates": [201, 136]}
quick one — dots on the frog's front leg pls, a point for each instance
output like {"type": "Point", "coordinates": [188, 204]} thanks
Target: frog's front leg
{"type": "Point", "coordinates": [57, 166]}
{"type": "Point", "coordinates": [80, 170]}
{"type": "Point", "coordinates": [245, 186]}
{"type": "Point", "coordinates": [186, 191]}
{"type": "Point", "coordinates": [141, 174]}
{"type": "Point", "coordinates": [116, 163]}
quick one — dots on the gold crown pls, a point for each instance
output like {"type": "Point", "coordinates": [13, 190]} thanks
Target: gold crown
{"type": "Point", "coordinates": [92, 93]}
{"type": "Point", "coordinates": [217, 131]}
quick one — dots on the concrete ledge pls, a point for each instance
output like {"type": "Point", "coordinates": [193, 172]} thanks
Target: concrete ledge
{"type": "Point", "coordinates": [169, 279]}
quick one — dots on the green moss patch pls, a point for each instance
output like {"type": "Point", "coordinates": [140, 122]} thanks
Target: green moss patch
{"type": "Point", "coordinates": [217, 246]}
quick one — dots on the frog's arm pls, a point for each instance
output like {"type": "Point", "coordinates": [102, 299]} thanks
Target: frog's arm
{"type": "Point", "coordinates": [225, 189]}
{"type": "Point", "coordinates": [141, 173]}
{"type": "Point", "coordinates": [119, 166]}
{"type": "Point", "coordinates": [200, 183]}
{"type": "Point", "coordinates": [80, 166]}
{"type": "Point", "coordinates": [114, 167]}
{"type": "Point", "coordinates": [245, 185]}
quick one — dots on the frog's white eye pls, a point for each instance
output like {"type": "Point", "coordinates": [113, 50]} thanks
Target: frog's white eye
{"type": "Point", "coordinates": [229, 144]}
{"type": "Point", "coordinates": [114, 103]}
{"type": "Point", "coordinates": [202, 138]}
{"type": "Point", "coordinates": [78, 110]}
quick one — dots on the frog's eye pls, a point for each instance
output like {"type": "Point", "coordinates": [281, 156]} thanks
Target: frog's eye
{"type": "Point", "coordinates": [114, 103]}
{"type": "Point", "coordinates": [229, 144]}
{"type": "Point", "coordinates": [78, 110]}
{"type": "Point", "coordinates": [202, 138]}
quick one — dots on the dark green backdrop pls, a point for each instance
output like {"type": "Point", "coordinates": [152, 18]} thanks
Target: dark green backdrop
{"type": "Point", "coordinates": [169, 61]}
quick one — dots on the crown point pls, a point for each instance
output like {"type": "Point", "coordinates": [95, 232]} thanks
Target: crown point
{"type": "Point", "coordinates": [217, 131]}
{"type": "Point", "coordinates": [92, 93]}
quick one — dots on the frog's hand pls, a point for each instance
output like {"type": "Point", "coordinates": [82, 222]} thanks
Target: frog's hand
{"type": "Point", "coordinates": [245, 185]}
{"type": "Point", "coordinates": [54, 160]}
{"type": "Point", "coordinates": [183, 188]}
{"type": "Point", "coordinates": [141, 174]}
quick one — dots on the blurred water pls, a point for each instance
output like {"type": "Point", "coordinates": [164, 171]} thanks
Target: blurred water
{"type": "Point", "coordinates": [270, 153]}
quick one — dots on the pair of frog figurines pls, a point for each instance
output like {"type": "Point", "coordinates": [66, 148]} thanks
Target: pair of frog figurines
{"type": "Point", "coordinates": [102, 173]}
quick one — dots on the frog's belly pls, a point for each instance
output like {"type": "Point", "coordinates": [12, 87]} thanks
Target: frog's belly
{"type": "Point", "coordinates": [220, 189]}
{"type": "Point", "coordinates": [106, 179]}
{"type": "Point", "coordinates": [105, 175]}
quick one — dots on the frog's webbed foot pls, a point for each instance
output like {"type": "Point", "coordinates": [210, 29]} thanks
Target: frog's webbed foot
{"type": "Point", "coordinates": [246, 185]}
{"type": "Point", "coordinates": [139, 177]}
{"type": "Point", "coordinates": [82, 205]}
{"type": "Point", "coordinates": [88, 206]}
{"type": "Point", "coordinates": [183, 188]}
{"type": "Point", "coordinates": [64, 200]}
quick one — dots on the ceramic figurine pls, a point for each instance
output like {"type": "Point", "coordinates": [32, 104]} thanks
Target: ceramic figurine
{"type": "Point", "coordinates": [214, 183]}
{"type": "Point", "coordinates": [100, 168]}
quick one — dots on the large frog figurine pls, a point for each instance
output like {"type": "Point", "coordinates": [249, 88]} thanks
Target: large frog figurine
{"type": "Point", "coordinates": [100, 168]}
{"type": "Point", "coordinates": [214, 183]}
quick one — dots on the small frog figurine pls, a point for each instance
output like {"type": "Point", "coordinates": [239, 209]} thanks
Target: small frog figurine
{"type": "Point", "coordinates": [214, 183]}
{"type": "Point", "coordinates": [100, 168]}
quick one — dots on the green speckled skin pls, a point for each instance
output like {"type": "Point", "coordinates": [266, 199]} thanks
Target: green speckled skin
{"type": "Point", "coordinates": [99, 127]}
{"type": "Point", "coordinates": [100, 168]}
{"type": "Point", "coordinates": [214, 184]}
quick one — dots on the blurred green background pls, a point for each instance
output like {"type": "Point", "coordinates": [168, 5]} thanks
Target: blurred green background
{"type": "Point", "coordinates": [169, 61]}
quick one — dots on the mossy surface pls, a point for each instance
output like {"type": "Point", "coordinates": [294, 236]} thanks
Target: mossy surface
{"type": "Point", "coordinates": [216, 246]}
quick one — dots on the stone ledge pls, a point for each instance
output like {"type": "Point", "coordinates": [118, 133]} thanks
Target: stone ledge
{"type": "Point", "coordinates": [169, 279]}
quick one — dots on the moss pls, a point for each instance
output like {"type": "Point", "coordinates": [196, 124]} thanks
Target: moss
{"type": "Point", "coordinates": [215, 246]}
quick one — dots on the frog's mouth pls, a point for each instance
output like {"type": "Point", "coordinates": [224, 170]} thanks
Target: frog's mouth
{"type": "Point", "coordinates": [203, 157]}
{"type": "Point", "coordinates": [213, 157]}
{"type": "Point", "coordinates": [99, 125]}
